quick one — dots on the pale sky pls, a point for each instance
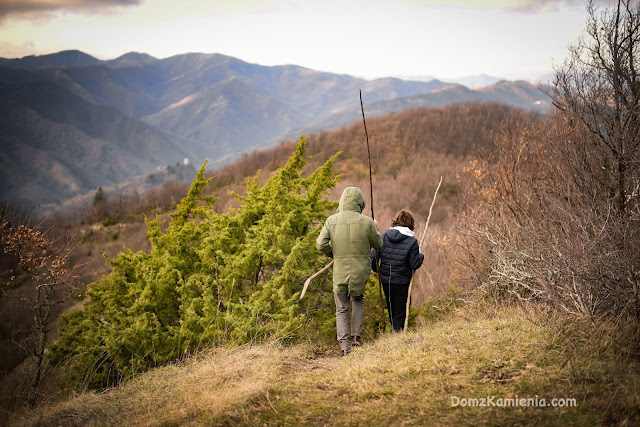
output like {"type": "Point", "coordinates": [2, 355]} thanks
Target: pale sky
{"type": "Point", "coordinates": [369, 38]}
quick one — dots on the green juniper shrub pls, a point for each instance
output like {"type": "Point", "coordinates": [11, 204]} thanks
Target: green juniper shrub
{"type": "Point", "coordinates": [209, 279]}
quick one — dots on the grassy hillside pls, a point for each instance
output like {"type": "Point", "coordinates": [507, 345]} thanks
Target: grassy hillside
{"type": "Point", "coordinates": [409, 379]}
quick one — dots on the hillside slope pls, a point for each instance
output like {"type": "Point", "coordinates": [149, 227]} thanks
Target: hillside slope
{"type": "Point", "coordinates": [519, 94]}
{"type": "Point", "coordinates": [234, 114]}
{"type": "Point", "coordinates": [56, 145]}
{"type": "Point", "coordinates": [409, 379]}
{"type": "Point", "coordinates": [65, 58]}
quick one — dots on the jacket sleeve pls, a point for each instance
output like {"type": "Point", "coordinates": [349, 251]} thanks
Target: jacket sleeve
{"type": "Point", "coordinates": [374, 236]}
{"type": "Point", "coordinates": [415, 257]}
{"type": "Point", "coordinates": [323, 242]}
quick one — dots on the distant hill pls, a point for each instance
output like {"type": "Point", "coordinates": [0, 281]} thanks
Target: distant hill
{"type": "Point", "coordinates": [191, 105]}
{"type": "Point", "coordinates": [472, 81]}
{"type": "Point", "coordinates": [55, 145]}
{"type": "Point", "coordinates": [231, 113]}
{"type": "Point", "coordinates": [78, 207]}
{"type": "Point", "coordinates": [476, 81]}
{"type": "Point", "coordinates": [519, 94]}
{"type": "Point", "coordinates": [150, 86]}
{"type": "Point", "coordinates": [131, 59]}
{"type": "Point", "coordinates": [66, 58]}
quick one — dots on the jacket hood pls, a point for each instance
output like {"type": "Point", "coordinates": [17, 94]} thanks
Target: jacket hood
{"type": "Point", "coordinates": [398, 234]}
{"type": "Point", "coordinates": [404, 230]}
{"type": "Point", "coordinates": [352, 199]}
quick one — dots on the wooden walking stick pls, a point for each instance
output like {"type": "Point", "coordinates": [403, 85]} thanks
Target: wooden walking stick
{"type": "Point", "coordinates": [424, 233]}
{"type": "Point", "coordinates": [382, 304]}
{"type": "Point", "coordinates": [306, 283]}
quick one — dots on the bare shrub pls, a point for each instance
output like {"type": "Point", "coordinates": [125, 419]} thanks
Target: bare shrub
{"type": "Point", "coordinates": [599, 87]}
{"type": "Point", "coordinates": [553, 209]}
{"type": "Point", "coordinates": [38, 278]}
{"type": "Point", "coordinates": [538, 230]}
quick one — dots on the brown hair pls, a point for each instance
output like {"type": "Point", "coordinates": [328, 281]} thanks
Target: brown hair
{"type": "Point", "coordinates": [404, 219]}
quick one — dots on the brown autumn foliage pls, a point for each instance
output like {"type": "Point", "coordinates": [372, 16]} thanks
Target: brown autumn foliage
{"type": "Point", "coordinates": [37, 279]}
{"type": "Point", "coordinates": [554, 212]}
{"type": "Point", "coordinates": [410, 151]}
{"type": "Point", "coordinates": [536, 229]}
{"type": "Point", "coordinates": [119, 206]}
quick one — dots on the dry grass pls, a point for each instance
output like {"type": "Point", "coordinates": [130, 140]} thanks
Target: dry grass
{"type": "Point", "coordinates": [404, 379]}
{"type": "Point", "coordinates": [201, 389]}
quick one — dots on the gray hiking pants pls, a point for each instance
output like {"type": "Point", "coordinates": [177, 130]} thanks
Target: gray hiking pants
{"type": "Point", "coordinates": [342, 318]}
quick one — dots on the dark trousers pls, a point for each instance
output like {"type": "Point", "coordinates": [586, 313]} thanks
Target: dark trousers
{"type": "Point", "coordinates": [396, 297]}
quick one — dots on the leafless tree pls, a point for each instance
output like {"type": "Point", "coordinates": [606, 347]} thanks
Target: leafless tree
{"type": "Point", "coordinates": [599, 87]}
{"type": "Point", "coordinates": [556, 214]}
{"type": "Point", "coordinates": [40, 279]}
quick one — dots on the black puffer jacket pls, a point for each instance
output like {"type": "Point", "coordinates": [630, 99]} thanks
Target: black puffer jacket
{"type": "Point", "coordinates": [399, 257]}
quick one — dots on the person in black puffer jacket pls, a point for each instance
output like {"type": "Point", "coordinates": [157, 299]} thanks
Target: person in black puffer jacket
{"type": "Point", "coordinates": [399, 257]}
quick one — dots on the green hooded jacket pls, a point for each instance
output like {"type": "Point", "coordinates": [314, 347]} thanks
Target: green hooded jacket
{"type": "Point", "coordinates": [348, 237]}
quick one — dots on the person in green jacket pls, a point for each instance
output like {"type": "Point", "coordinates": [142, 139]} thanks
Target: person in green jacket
{"type": "Point", "coordinates": [348, 237]}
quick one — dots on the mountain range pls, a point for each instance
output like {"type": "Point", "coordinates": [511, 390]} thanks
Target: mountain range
{"type": "Point", "coordinates": [472, 82]}
{"type": "Point", "coordinates": [71, 122]}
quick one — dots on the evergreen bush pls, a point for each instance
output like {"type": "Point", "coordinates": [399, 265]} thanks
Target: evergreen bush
{"type": "Point", "coordinates": [209, 279]}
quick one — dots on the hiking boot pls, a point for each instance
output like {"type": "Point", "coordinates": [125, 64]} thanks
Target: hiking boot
{"type": "Point", "coordinates": [356, 341]}
{"type": "Point", "coordinates": [346, 352]}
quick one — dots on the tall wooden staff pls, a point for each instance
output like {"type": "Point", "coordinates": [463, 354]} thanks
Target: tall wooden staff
{"type": "Point", "coordinates": [364, 121]}
{"type": "Point", "coordinates": [424, 233]}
